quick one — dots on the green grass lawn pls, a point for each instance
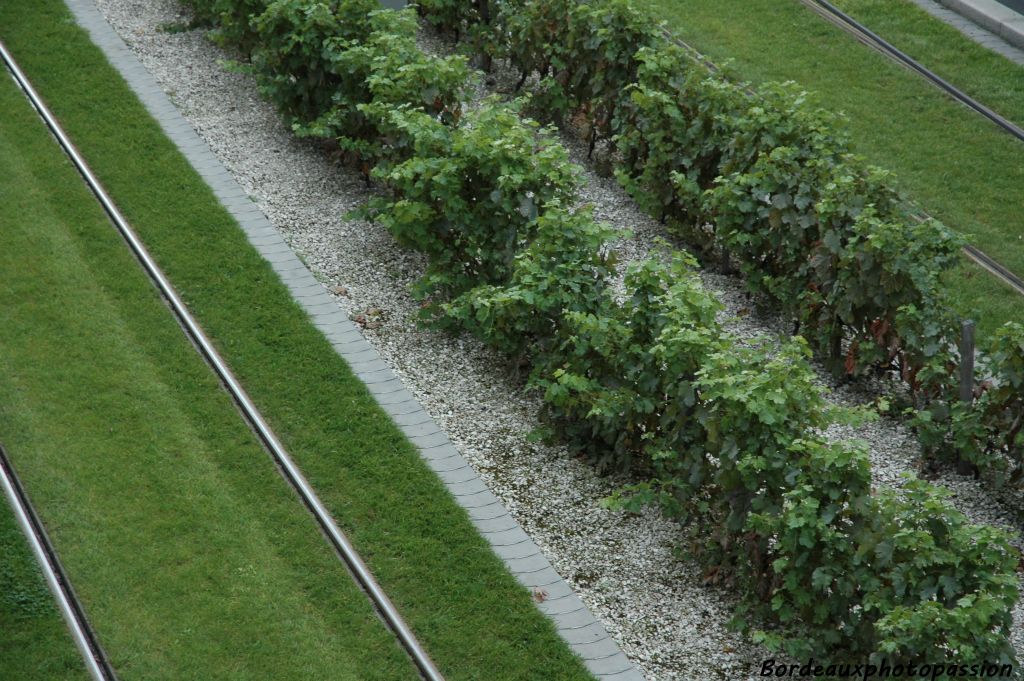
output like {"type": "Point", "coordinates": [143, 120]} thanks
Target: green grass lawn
{"type": "Point", "coordinates": [952, 162]}
{"type": "Point", "coordinates": [192, 556]}
{"type": "Point", "coordinates": [34, 642]}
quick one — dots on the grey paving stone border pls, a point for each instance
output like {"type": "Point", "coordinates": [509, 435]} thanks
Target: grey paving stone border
{"type": "Point", "coordinates": [584, 634]}
{"type": "Point", "coordinates": [994, 26]}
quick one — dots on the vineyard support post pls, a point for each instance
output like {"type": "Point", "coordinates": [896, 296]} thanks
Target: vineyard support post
{"type": "Point", "coordinates": [967, 361]}
{"type": "Point", "coordinates": [484, 7]}
{"type": "Point", "coordinates": [966, 380]}
{"type": "Point", "coordinates": [726, 262]}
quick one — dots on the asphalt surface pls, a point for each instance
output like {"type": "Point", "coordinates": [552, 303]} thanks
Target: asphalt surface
{"type": "Point", "coordinates": [1015, 5]}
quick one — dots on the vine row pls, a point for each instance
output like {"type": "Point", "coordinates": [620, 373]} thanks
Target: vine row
{"type": "Point", "coordinates": [646, 378]}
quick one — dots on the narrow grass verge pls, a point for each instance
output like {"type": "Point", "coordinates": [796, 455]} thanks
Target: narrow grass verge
{"type": "Point", "coordinates": [86, 323]}
{"type": "Point", "coordinates": [953, 163]}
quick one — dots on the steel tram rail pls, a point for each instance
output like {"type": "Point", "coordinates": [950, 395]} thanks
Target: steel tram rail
{"type": "Point", "coordinates": [96, 661]}
{"type": "Point", "coordinates": [975, 254]}
{"type": "Point", "coordinates": [868, 37]}
{"type": "Point", "coordinates": [291, 472]}
{"type": "Point", "coordinates": [865, 35]}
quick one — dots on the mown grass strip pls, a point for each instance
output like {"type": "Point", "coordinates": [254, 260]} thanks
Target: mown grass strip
{"type": "Point", "coordinates": [471, 615]}
{"type": "Point", "coordinates": [955, 164]}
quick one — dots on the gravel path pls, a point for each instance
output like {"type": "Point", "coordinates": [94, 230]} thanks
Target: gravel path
{"type": "Point", "coordinates": [624, 566]}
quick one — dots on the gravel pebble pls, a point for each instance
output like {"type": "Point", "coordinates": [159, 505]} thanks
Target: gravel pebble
{"type": "Point", "coordinates": [626, 567]}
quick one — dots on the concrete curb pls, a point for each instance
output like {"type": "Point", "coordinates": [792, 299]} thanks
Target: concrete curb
{"type": "Point", "coordinates": [584, 634]}
{"type": "Point", "coordinates": [997, 18]}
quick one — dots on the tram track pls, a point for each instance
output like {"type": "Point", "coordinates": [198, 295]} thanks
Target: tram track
{"type": "Point", "coordinates": [82, 633]}
{"type": "Point", "coordinates": [866, 36]}
{"type": "Point", "coordinates": [85, 638]}
{"type": "Point", "coordinates": [848, 24]}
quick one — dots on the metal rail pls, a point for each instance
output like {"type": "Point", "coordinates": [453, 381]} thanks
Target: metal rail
{"type": "Point", "coordinates": [291, 472]}
{"type": "Point", "coordinates": [973, 253]}
{"type": "Point", "coordinates": [70, 607]}
{"type": "Point", "coordinates": [872, 39]}
{"type": "Point", "coordinates": [868, 37]}
{"type": "Point", "coordinates": [1000, 272]}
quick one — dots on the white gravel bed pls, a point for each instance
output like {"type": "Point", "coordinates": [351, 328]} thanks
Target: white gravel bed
{"type": "Point", "coordinates": [624, 566]}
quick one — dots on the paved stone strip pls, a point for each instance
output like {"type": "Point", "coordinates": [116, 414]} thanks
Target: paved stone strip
{"type": "Point", "coordinates": [576, 624]}
{"type": "Point", "coordinates": [960, 16]}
